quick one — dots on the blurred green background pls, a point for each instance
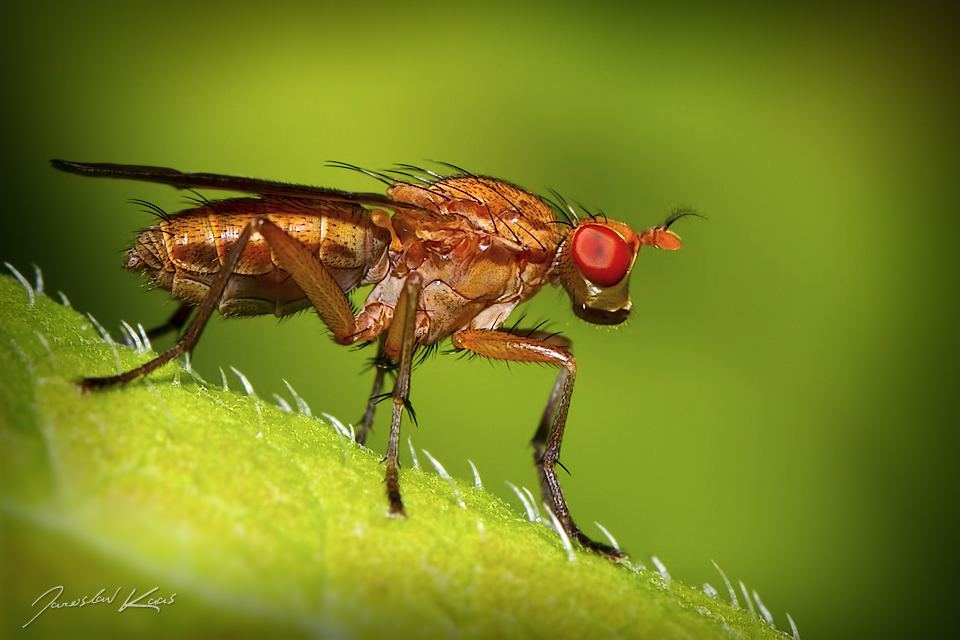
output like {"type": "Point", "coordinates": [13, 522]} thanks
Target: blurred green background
{"type": "Point", "coordinates": [783, 400]}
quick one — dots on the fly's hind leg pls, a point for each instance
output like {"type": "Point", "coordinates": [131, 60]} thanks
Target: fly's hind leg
{"type": "Point", "coordinates": [537, 346]}
{"type": "Point", "coordinates": [310, 275]}
{"type": "Point", "coordinates": [190, 337]}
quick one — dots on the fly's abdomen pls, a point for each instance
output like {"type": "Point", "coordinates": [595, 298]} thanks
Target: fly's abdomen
{"type": "Point", "coordinates": [183, 253]}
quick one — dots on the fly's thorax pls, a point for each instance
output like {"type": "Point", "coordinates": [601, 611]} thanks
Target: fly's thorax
{"type": "Point", "coordinates": [492, 206]}
{"type": "Point", "coordinates": [487, 246]}
{"type": "Point", "coordinates": [593, 264]}
{"type": "Point", "coordinates": [471, 278]}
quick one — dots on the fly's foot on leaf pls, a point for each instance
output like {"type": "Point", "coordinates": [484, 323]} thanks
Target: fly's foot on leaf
{"type": "Point", "coordinates": [598, 547]}
{"type": "Point", "coordinates": [396, 507]}
{"type": "Point", "coordinates": [88, 384]}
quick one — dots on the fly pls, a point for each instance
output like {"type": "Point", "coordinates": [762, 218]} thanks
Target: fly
{"type": "Point", "coordinates": [456, 256]}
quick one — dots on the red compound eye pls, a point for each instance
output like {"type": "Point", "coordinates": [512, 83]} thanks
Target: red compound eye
{"type": "Point", "coordinates": [601, 254]}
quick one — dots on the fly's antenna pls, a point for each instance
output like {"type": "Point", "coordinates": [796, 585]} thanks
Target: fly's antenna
{"type": "Point", "coordinates": [678, 212]}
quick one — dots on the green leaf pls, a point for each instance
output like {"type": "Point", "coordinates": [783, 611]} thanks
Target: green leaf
{"type": "Point", "coordinates": [262, 521]}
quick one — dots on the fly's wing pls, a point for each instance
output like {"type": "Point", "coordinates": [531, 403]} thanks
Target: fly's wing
{"type": "Point", "coordinates": [183, 180]}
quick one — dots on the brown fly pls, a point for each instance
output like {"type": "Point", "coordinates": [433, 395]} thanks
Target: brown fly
{"type": "Point", "coordinates": [456, 256]}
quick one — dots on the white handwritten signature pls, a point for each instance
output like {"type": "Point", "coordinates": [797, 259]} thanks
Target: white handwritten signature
{"type": "Point", "coordinates": [152, 603]}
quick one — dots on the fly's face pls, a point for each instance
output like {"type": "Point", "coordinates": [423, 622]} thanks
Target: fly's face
{"type": "Point", "coordinates": [594, 264]}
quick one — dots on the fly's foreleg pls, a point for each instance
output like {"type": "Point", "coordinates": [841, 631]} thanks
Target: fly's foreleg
{"type": "Point", "coordinates": [539, 440]}
{"type": "Point", "coordinates": [503, 345]}
{"type": "Point", "coordinates": [401, 338]}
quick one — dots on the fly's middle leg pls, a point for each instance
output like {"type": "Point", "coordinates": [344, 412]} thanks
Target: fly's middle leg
{"type": "Point", "coordinates": [401, 338]}
{"type": "Point", "coordinates": [382, 364]}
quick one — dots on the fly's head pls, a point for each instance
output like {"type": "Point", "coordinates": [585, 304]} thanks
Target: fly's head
{"type": "Point", "coordinates": [595, 260]}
